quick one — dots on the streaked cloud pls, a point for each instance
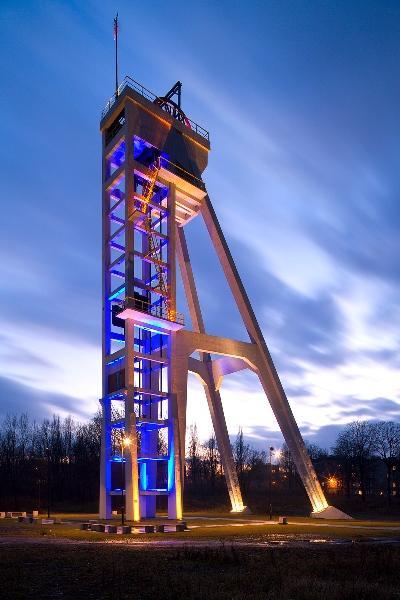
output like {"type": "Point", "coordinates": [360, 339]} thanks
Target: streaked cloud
{"type": "Point", "coordinates": [302, 104]}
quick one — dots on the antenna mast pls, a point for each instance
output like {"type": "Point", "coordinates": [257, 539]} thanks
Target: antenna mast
{"type": "Point", "coordinates": [116, 27]}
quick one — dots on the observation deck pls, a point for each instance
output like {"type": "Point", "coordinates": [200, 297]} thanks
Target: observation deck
{"type": "Point", "coordinates": [148, 314]}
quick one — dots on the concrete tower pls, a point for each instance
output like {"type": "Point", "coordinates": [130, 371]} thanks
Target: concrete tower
{"type": "Point", "coordinates": [153, 160]}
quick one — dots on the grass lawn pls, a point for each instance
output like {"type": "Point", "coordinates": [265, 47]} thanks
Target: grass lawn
{"type": "Point", "coordinates": [48, 571]}
{"type": "Point", "coordinates": [217, 527]}
{"type": "Point", "coordinates": [220, 559]}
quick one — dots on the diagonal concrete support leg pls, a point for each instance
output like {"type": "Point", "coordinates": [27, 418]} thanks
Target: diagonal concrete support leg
{"type": "Point", "coordinates": [266, 370]}
{"type": "Point", "coordinates": [221, 433]}
{"type": "Point", "coordinates": [212, 395]}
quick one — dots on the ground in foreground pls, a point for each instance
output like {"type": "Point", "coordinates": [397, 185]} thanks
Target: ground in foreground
{"type": "Point", "coordinates": [220, 557]}
{"type": "Point", "coordinates": [85, 570]}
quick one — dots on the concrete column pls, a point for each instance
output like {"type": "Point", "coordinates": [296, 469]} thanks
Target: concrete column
{"type": "Point", "coordinates": [129, 210]}
{"type": "Point", "coordinates": [172, 247]}
{"type": "Point", "coordinates": [105, 452]}
{"type": "Point", "coordinates": [148, 446]}
{"type": "Point", "coordinates": [132, 507]}
{"type": "Point", "coordinates": [132, 498]}
{"type": "Point", "coordinates": [105, 464]}
{"type": "Point", "coordinates": [178, 370]}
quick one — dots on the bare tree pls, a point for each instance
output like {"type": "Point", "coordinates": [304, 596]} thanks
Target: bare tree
{"type": "Point", "coordinates": [343, 450]}
{"type": "Point", "coordinates": [194, 458]}
{"type": "Point", "coordinates": [315, 452]}
{"type": "Point", "coordinates": [211, 460]}
{"type": "Point", "coordinates": [287, 463]}
{"type": "Point", "coordinates": [162, 443]}
{"type": "Point", "coordinates": [387, 446]}
{"type": "Point", "coordinates": [29, 452]}
{"type": "Point", "coordinates": [355, 446]}
{"type": "Point", "coordinates": [257, 467]}
{"type": "Point", "coordinates": [241, 454]}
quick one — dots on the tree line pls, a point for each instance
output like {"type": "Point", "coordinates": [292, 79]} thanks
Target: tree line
{"type": "Point", "coordinates": [57, 460]}
{"type": "Point", "coordinates": [361, 448]}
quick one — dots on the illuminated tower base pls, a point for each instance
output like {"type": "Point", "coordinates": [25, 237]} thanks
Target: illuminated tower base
{"type": "Point", "coordinates": [153, 160]}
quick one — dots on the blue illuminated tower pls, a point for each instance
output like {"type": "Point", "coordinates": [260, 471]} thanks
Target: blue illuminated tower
{"type": "Point", "coordinates": [153, 157]}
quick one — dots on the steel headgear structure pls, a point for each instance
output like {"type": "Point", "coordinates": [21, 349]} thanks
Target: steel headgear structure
{"type": "Point", "coordinates": [153, 160]}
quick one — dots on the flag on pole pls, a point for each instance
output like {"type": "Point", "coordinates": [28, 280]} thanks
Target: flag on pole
{"type": "Point", "coordinates": [116, 27]}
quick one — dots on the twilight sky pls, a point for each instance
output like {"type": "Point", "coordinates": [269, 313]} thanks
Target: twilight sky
{"type": "Point", "coordinates": [302, 103]}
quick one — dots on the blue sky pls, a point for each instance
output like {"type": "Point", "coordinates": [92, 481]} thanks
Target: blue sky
{"type": "Point", "coordinates": [302, 103]}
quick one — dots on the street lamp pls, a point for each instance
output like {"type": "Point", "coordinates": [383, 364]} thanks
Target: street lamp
{"type": "Point", "coordinates": [38, 483]}
{"type": "Point", "coordinates": [277, 454]}
{"type": "Point", "coordinates": [125, 442]}
{"type": "Point", "coordinates": [48, 482]}
{"type": "Point", "coordinates": [270, 483]}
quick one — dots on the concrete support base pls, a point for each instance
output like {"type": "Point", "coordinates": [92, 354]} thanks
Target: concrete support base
{"type": "Point", "coordinates": [174, 509]}
{"type": "Point", "coordinates": [330, 513]}
{"type": "Point", "coordinates": [244, 511]}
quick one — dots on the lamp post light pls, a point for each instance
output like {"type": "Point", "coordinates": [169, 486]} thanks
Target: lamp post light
{"type": "Point", "coordinates": [277, 454]}
{"type": "Point", "coordinates": [38, 483]}
{"type": "Point", "coordinates": [125, 442]}
{"type": "Point", "coordinates": [48, 482]}
{"type": "Point", "coordinates": [271, 449]}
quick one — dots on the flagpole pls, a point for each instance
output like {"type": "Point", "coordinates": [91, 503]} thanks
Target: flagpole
{"type": "Point", "coordinates": [116, 53]}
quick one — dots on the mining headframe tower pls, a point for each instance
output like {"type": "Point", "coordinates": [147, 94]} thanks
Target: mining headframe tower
{"type": "Point", "coordinates": [153, 160]}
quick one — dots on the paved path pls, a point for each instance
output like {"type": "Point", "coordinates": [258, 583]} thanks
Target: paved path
{"type": "Point", "coordinates": [142, 541]}
{"type": "Point", "coordinates": [245, 522]}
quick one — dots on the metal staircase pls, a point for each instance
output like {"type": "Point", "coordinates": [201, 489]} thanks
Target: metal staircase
{"type": "Point", "coordinates": [143, 207]}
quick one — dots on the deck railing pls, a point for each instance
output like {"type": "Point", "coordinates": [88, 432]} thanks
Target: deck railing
{"type": "Point", "coordinates": [155, 310]}
{"type": "Point", "coordinates": [140, 89]}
